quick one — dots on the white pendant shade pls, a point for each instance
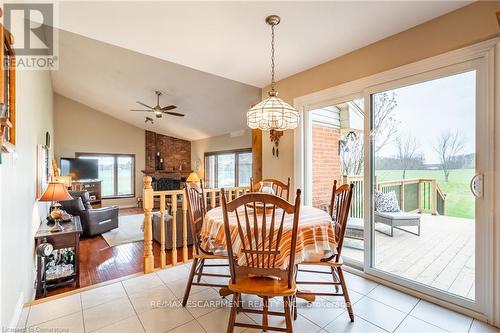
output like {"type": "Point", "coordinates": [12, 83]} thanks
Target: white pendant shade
{"type": "Point", "coordinates": [273, 114]}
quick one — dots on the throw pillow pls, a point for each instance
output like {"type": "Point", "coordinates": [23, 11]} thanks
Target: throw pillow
{"type": "Point", "coordinates": [386, 202]}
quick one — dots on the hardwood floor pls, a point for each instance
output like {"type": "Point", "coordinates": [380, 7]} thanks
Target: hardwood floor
{"type": "Point", "coordinates": [99, 262]}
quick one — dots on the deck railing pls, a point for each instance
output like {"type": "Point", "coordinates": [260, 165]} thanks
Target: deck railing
{"type": "Point", "coordinates": [160, 199]}
{"type": "Point", "coordinates": [414, 195]}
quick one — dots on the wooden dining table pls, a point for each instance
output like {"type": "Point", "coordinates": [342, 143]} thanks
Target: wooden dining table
{"type": "Point", "coordinates": [315, 237]}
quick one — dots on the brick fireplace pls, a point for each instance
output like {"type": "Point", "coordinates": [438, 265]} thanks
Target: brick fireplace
{"type": "Point", "coordinates": [176, 155]}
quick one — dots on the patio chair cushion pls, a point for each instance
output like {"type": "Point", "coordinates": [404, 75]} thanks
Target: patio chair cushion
{"type": "Point", "coordinates": [398, 215]}
{"type": "Point", "coordinates": [386, 202]}
{"type": "Point", "coordinates": [355, 223]}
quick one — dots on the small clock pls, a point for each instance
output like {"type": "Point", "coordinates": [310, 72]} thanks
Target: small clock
{"type": "Point", "coordinates": [44, 249]}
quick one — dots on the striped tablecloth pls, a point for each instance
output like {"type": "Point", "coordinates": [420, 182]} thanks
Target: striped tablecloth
{"type": "Point", "coordinates": [315, 238]}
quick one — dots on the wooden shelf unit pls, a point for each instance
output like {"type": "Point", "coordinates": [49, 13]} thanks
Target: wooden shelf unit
{"type": "Point", "coordinates": [94, 189]}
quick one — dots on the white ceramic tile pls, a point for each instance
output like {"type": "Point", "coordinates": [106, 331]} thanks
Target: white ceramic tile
{"type": "Point", "coordinates": [23, 318]}
{"type": "Point", "coordinates": [129, 325]}
{"type": "Point", "coordinates": [108, 313]}
{"type": "Point", "coordinates": [441, 317]}
{"type": "Point", "coordinates": [179, 272]}
{"type": "Point", "coordinates": [204, 302]}
{"type": "Point", "coordinates": [393, 298]}
{"type": "Point", "coordinates": [301, 324]}
{"type": "Point", "coordinates": [359, 284]}
{"type": "Point", "coordinates": [102, 295]}
{"type": "Point", "coordinates": [54, 309]}
{"type": "Point", "coordinates": [415, 325]}
{"type": "Point", "coordinates": [191, 327]}
{"type": "Point", "coordinates": [321, 312]}
{"type": "Point", "coordinates": [151, 298]}
{"type": "Point", "coordinates": [480, 327]}
{"type": "Point", "coordinates": [142, 283]}
{"type": "Point", "coordinates": [163, 319]}
{"type": "Point", "coordinates": [343, 325]}
{"type": "Point", "coordinates": [353, 296]}
{"type": "Point", "coordinates": [178, 287]}
{"type": "Point", "coordinates": [72, 323]}
{"type": "Point", "coordinates": [216, 321]}
{"type": "Point", "coordinates": [378, 314]}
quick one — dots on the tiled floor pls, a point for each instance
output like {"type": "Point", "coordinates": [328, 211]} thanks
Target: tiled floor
{"type": "Point", "coordinates": [151, 303]}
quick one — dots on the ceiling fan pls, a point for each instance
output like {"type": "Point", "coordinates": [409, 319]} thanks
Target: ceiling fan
{"type": "Point", "coordinates": [158, 110]}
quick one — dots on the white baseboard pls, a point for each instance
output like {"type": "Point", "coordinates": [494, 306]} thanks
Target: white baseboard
{"type": "Point", "coordinates": [17, 312]}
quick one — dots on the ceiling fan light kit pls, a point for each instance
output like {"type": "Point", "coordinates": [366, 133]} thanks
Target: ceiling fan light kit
{"type": "Point", "coordinates": [273, 113]}
{"type": "Point", "coordinates": [158, 110]}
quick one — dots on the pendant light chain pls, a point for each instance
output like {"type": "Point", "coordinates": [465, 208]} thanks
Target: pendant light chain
{"type": "Point", "coordinates": [272, 59]}
{"type": "Point", "coordinates": [273, 113]}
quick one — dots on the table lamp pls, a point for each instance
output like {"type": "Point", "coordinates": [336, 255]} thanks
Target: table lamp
{"type": "Point", "coordinates": [55, 192]}
{"type": "Point", "coordinates": [193, 178]}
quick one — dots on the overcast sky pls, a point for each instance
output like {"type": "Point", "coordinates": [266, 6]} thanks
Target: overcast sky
{"type": "Point", "coordinates": [427, 109]}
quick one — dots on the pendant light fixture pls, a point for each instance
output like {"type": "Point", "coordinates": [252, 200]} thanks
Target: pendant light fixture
{"type": "Point", "coordinates": [273, 113]}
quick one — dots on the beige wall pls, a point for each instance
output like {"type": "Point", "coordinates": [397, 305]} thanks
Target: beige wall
{"type": "Point", "coordinates": [217, 143]}
{"type": "Point", "coordinates": [79, 128]}
{"type": "Point", "coordinates": [462, 27]}
{"type": "Point", "coordinates": [20, 213]}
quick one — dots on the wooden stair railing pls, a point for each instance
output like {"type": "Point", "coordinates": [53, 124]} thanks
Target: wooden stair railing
{"type": "Point", "coordinates": [150, 197]}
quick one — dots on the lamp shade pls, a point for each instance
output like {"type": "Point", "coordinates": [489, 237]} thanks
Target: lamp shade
{"type": "Point", "coordinates": [193, 178]}
{"type": "Point", "coordinates": [273, 114]}
{"type": "Point", "coordinates": [56, 192]}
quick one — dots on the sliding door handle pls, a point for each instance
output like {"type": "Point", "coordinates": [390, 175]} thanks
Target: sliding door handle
{"type": "Point", "coordinates": [476, 185]}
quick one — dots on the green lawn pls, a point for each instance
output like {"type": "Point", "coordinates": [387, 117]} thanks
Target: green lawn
{"type": "Point", "coordinates": [459, 199]}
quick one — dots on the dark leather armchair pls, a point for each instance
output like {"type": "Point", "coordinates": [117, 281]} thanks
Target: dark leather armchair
{"type": "Point", "coordinates": [95, 221]}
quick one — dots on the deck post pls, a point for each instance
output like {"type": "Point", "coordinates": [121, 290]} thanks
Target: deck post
{"type": "Point", "coordinates": [419, 197]}
{"type": "Point", "coordinates": [433, 197]}
{"type": "Point", "coordinates": [402, 195]}
{"type": "Point", "coordinates": [148, 233]}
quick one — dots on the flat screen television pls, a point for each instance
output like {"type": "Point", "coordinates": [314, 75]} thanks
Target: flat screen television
{"type": "Point", "coordinates": [79, 168]}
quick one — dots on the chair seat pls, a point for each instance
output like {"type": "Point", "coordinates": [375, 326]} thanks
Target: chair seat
{"type": "Point", "coordinates": [216, 255]}
{"type": "Point", "coordinates": [262, 286]}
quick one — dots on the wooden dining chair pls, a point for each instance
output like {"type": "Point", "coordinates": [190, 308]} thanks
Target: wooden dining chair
{"type": "Point", "coordinates": [196, 206]}
{"type": "Point", "coordinates": [261, 254]}
{"type": "Point", "coordinates": [340, 204]}
{"type": "Point", "coordinates": [280, 189]}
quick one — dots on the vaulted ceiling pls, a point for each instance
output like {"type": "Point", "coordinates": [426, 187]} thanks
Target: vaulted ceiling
{"type": "Point", "coordinates": [210, 58]}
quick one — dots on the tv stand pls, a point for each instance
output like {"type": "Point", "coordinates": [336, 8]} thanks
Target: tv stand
{"type": "Point", "coordinates": [93, 186]}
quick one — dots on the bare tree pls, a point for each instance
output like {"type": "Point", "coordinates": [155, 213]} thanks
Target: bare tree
{"type": "Point", "coordinates": [448, 147]}
{"type": "Point", "coordinates": [385, 129]}
{"type": "Point", "coordinates": [385, 124]}
{"type": "Point", "coordinates": [407, 148]}
{"type": "Point", "coordinates": [352, 155]}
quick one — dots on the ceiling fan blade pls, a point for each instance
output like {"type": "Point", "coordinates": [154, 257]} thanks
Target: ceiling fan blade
{"type": "Point", "coordinates": [141, 103]}
{"type": "Point", "coordinates": [177, 114]}
{"type": "Point", "coordinates": [142, 110]}
{"type": "Point", "coordinates": [170, 107]}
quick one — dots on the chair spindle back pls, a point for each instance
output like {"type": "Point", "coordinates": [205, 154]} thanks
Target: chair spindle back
{"type": "Point", "coordinates": [340, 205]}
{"type": "Point", "coordinates": [195, 196]}
{"type": "Point", "coordinates": [260, 235]}
{"type": "Point", "coordinates": [280, 189]}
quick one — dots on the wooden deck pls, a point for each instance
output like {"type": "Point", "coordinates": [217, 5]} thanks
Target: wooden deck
{"type": "Point", "coordinates": [442, 257]}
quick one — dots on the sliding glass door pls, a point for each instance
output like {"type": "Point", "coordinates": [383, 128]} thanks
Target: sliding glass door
{"type": "Point", "coordinates": [425, 182]}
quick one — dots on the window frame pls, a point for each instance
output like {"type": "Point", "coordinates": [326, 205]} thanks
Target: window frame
{"type": "Point", "coordinates": [115, 172]}
{"type": "Point", "coordinates": [236, 153]}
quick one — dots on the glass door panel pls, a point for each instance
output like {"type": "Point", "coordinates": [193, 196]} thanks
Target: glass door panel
{"type": "Point", "coordinates": [337, 153]}
{"type": "Point", "coordinates": [423, 155]}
